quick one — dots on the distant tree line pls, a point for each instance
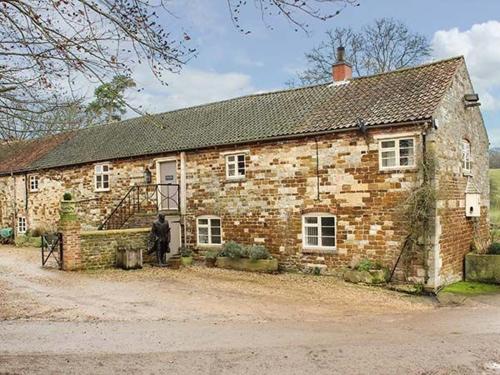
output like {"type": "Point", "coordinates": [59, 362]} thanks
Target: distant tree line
{"type": "Point", "coordinates": [495, 159]}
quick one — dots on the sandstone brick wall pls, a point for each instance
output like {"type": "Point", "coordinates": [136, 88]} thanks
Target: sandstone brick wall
{"type": "Point", "coordinates": [98, 248]}
{"type": "Point", "coordinates": [281, 185]}
{"type": "Point", "coordinates": [454, 231]}
{"type": "Point", "coordinates": [93, 207]}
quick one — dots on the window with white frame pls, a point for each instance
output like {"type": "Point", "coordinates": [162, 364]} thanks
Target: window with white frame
{"type": "Point", "coordinates": [397, 153]}
{"type": "Point", "coordinates": [466, 156]}
{"type": "Point", "coordinates": [319, 231]}
{"type": "Point", "coordinates": [209, 231]}
{"type": "Point", "coordinates": [34, 182]}
{"type": "Point", "coordinates": [21, 225]}
{"type": "Point", "coordinates": [235, 166]}
{"type": "Point", "coordinates": [102, 177]}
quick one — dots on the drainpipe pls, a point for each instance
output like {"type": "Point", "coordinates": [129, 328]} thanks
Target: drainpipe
{"type": "Point", "coordinates": [317, 170]}
{"type": "Point", "coordinates": [14, 203]}
{"type": "Point", "coordinates": [183, 197]}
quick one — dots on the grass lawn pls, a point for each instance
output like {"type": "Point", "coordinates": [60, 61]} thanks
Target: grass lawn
{"type": "Point", "coordinates": [471, 288]}
{"type": "Point", "coordinates": [495, 208]}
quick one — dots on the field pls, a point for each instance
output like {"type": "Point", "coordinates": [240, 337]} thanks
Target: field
{"type": "Point", "coordinates": [495, 196]}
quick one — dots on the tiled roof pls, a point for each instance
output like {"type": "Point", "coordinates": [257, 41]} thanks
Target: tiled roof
{"type": "Point", "coordinates": [394, 97]}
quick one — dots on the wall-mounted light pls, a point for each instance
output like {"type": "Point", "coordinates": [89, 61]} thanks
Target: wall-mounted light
{"type": "Point", "coordinates": [147, 176]}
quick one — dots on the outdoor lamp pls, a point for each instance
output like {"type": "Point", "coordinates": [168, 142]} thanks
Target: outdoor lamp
{"type": "Point", "coordinates": [147, 176]}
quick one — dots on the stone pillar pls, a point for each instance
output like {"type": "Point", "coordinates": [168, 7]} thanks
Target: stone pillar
{"type": "Point", "coordinates": [70, 227]}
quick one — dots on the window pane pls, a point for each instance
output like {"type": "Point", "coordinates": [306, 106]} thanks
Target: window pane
{"type": "Point", "coordinates": [328, 241]}
{"type": "Point", "coordinates": [327, 221]}
{"type": "Point", "coordinates": [105, 168]}
{"type": "Point", "coordinates": [231, 159]}
{"type": "Point", "coordinates": [98, 169]}
{"type": "Point", "coordinates": [388, 144]}
{"type": "Point", "coordinates": [311, 220]}
{"type": "Point", "coordinates": [215, 222]}
{"type": "Point", "coordinates": [312, 241]}
{"type": "Point", "coordinates": [216, 239]}
{"type": "Point", "coordinates": [406, 143]}
{"type": "Point", "coordinates": [241, 158]}
{"type": "Point", "coordinates": [389, 162]}
{"type": "Point", "coordinates": [231, 170]}
{"type": "Point", "coordinates": [405, 152]}
{"type": "Point", "coordinates": [203, 230]}
{"type": "Point", "coordinates": [311, 236]}
{"type": "Point", "coordinates": [202, 221]}
{"type": "Point", "coordinates": [215, 231]}
{"type": "Point", "coordinates": [203, 238]}
{"type": "Point", "coordinates": [328, 231]}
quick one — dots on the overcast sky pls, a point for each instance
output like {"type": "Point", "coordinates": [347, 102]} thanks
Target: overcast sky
{"type": "Point", "coordinates": [231, 64]}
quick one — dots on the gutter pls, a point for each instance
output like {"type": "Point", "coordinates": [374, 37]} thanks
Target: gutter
{"type": "Point", "coordinates": [267, 139]}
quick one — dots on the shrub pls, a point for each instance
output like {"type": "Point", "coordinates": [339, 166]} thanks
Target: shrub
{"type": "Point", "coordinates": [37, 231]}
{"type": "Point", "coordinates": [185, 251]}
{"type": "Point", "coordinates": [211, 254]}
{"type": "Point", "coordinates": [232, 250]}
{"type": "Point", "coordinates": [364, 265]}
{"type": "Point", "coordinates": [494, 248]}
{"type": "Point", "coordinates": [67, 196]}
{"type": "Point", "coordinates": [258, 252]}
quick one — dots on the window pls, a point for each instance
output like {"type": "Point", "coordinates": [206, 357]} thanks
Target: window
{"type": "Point", "coordinates": [21, 225]}
{"type": "Point", "coordinates": [235, 166]}
{"type": "Point", "coordinates": [102, 177]}
{"type": "Point", "coordinates": [34, 180]}
{"type": "Point", "coordinates": [209, 230]}
{"type": "Point", "coordinates": [466, 159]}
{"type": "Point", "coordinates": [319, 231]}
{"type": "Point", "coordinates": [397, 153]}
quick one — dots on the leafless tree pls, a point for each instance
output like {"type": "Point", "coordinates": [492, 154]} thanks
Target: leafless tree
{"type": "Point", "coordinates": [47, 45]}
{"type": "Point", "coordinates": [385, 45]}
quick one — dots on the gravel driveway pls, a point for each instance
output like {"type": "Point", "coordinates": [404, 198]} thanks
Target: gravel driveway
{"type": "Point", "coordinates": [210, 321]}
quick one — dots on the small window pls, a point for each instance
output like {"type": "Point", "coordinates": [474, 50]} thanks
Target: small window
{"type": "Point", "coordinates": [235, 166]}
{"type": "Point", "coordinates": [209, 230]}
{"type": "Point", "coordinates": [102, 177]}
{"type": "Point", "coordinates": [466, 156]}
{"type": "Point", "coordinates": [34, 181]}
{"type": "Point", "coordinates": [397, 153]}
{"type": "Point", "coordinates": [319, 231]}
{"type": "Point", "coordinates": [21, 225]}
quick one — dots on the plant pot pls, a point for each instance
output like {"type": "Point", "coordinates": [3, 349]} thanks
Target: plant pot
{"type": "Point", "coordinates": [186, 261]}
{"type": "Point", "coordinates": [210, 262]}
{"type": "Point", "coordinates": [244, 264]}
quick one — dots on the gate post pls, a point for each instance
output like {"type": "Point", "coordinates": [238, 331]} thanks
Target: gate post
{"type": "Point", "coordinates": [69, 226]}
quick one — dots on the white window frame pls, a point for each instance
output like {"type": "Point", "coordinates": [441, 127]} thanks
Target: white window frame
{"type": "Point", "coordinates": [22, 225]}
{"type": "Point", "coordinates": [99, 171]}
{"type": "Point", "coordinates": [396, 150]}
{"type": "Point", "coordinates": [209, 218]}
{"type": "Point", "coordinates": [34, 183]}
{"type": "Point", "coordinates": [235, 162]}
{"type": "Point", "coordinates": [320, 246]}
{"type": "Point", "coordinates": [466, 157]}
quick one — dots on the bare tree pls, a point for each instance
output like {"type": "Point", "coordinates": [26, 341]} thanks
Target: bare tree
{"type": "Point", "coordinates": [385, 45]}
{"type": "Point", "coordinates": [46, 45]}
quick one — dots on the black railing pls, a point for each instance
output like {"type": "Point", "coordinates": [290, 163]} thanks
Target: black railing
{"type": "Point", "coordinates": [143, 198]}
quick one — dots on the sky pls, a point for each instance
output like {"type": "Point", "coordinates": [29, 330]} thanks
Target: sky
{"type": "Point", "coordinates": [230, 63]}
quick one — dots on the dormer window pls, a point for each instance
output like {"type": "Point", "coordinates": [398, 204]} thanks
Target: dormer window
{"type": "Point", "coordinates": [466, 157]}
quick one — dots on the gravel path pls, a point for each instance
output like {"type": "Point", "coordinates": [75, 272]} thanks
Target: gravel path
{"type": "Point", "coordinates": [205, 321]}
{"type": "Point", "coordinates": [189, 294]}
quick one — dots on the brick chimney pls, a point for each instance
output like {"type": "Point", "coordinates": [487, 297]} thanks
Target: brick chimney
{"type": "Point", "coordinates": [341, 70]}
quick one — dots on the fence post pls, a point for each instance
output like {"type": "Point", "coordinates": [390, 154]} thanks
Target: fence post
{"type": "Point", "coordinates": [70, 227]}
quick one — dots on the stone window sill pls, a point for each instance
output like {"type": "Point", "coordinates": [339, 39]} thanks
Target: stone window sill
{"type": "Point", "coordinates": [235, 180]}
{"type": "Point", "coordinates": [320, 251]}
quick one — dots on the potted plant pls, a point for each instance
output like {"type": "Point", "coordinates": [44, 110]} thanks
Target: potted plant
{"type": "Point", "coordinates": [211, 258]}
{"type": "Point", "coordinates": [252, 258]}
{"type": "Point", "coordinates": [186, 256]}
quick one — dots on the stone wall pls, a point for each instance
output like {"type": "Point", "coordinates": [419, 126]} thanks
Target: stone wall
{"type": "Point", "coordinates": [281, 184]}
{"type": "Point", "coordinates": [41, 207]}
{"type": "Point", "coordinates": [454, 231]}
{"type": "Point", "coordinates": [98, 248]}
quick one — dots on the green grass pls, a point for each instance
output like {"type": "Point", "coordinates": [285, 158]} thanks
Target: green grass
{"type": "Point", "coordinates": [471, 288]}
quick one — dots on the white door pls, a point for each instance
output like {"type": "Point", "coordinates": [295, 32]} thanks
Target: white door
{"type": "Point", "coordinates": [168, 195]}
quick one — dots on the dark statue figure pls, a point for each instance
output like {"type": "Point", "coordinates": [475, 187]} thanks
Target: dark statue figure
{"type": "Point", "coordinates": [159, 239]}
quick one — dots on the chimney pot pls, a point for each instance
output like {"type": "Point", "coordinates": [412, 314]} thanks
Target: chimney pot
{"type": "Point", "coordinates": [341, 70]}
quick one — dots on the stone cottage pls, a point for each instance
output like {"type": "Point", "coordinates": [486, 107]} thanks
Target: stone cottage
{"type": "Point", "coordinates": [320, 175]}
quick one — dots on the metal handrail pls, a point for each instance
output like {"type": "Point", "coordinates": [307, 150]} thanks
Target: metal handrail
{"type": "Point", "coordinates": [133, 202]}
